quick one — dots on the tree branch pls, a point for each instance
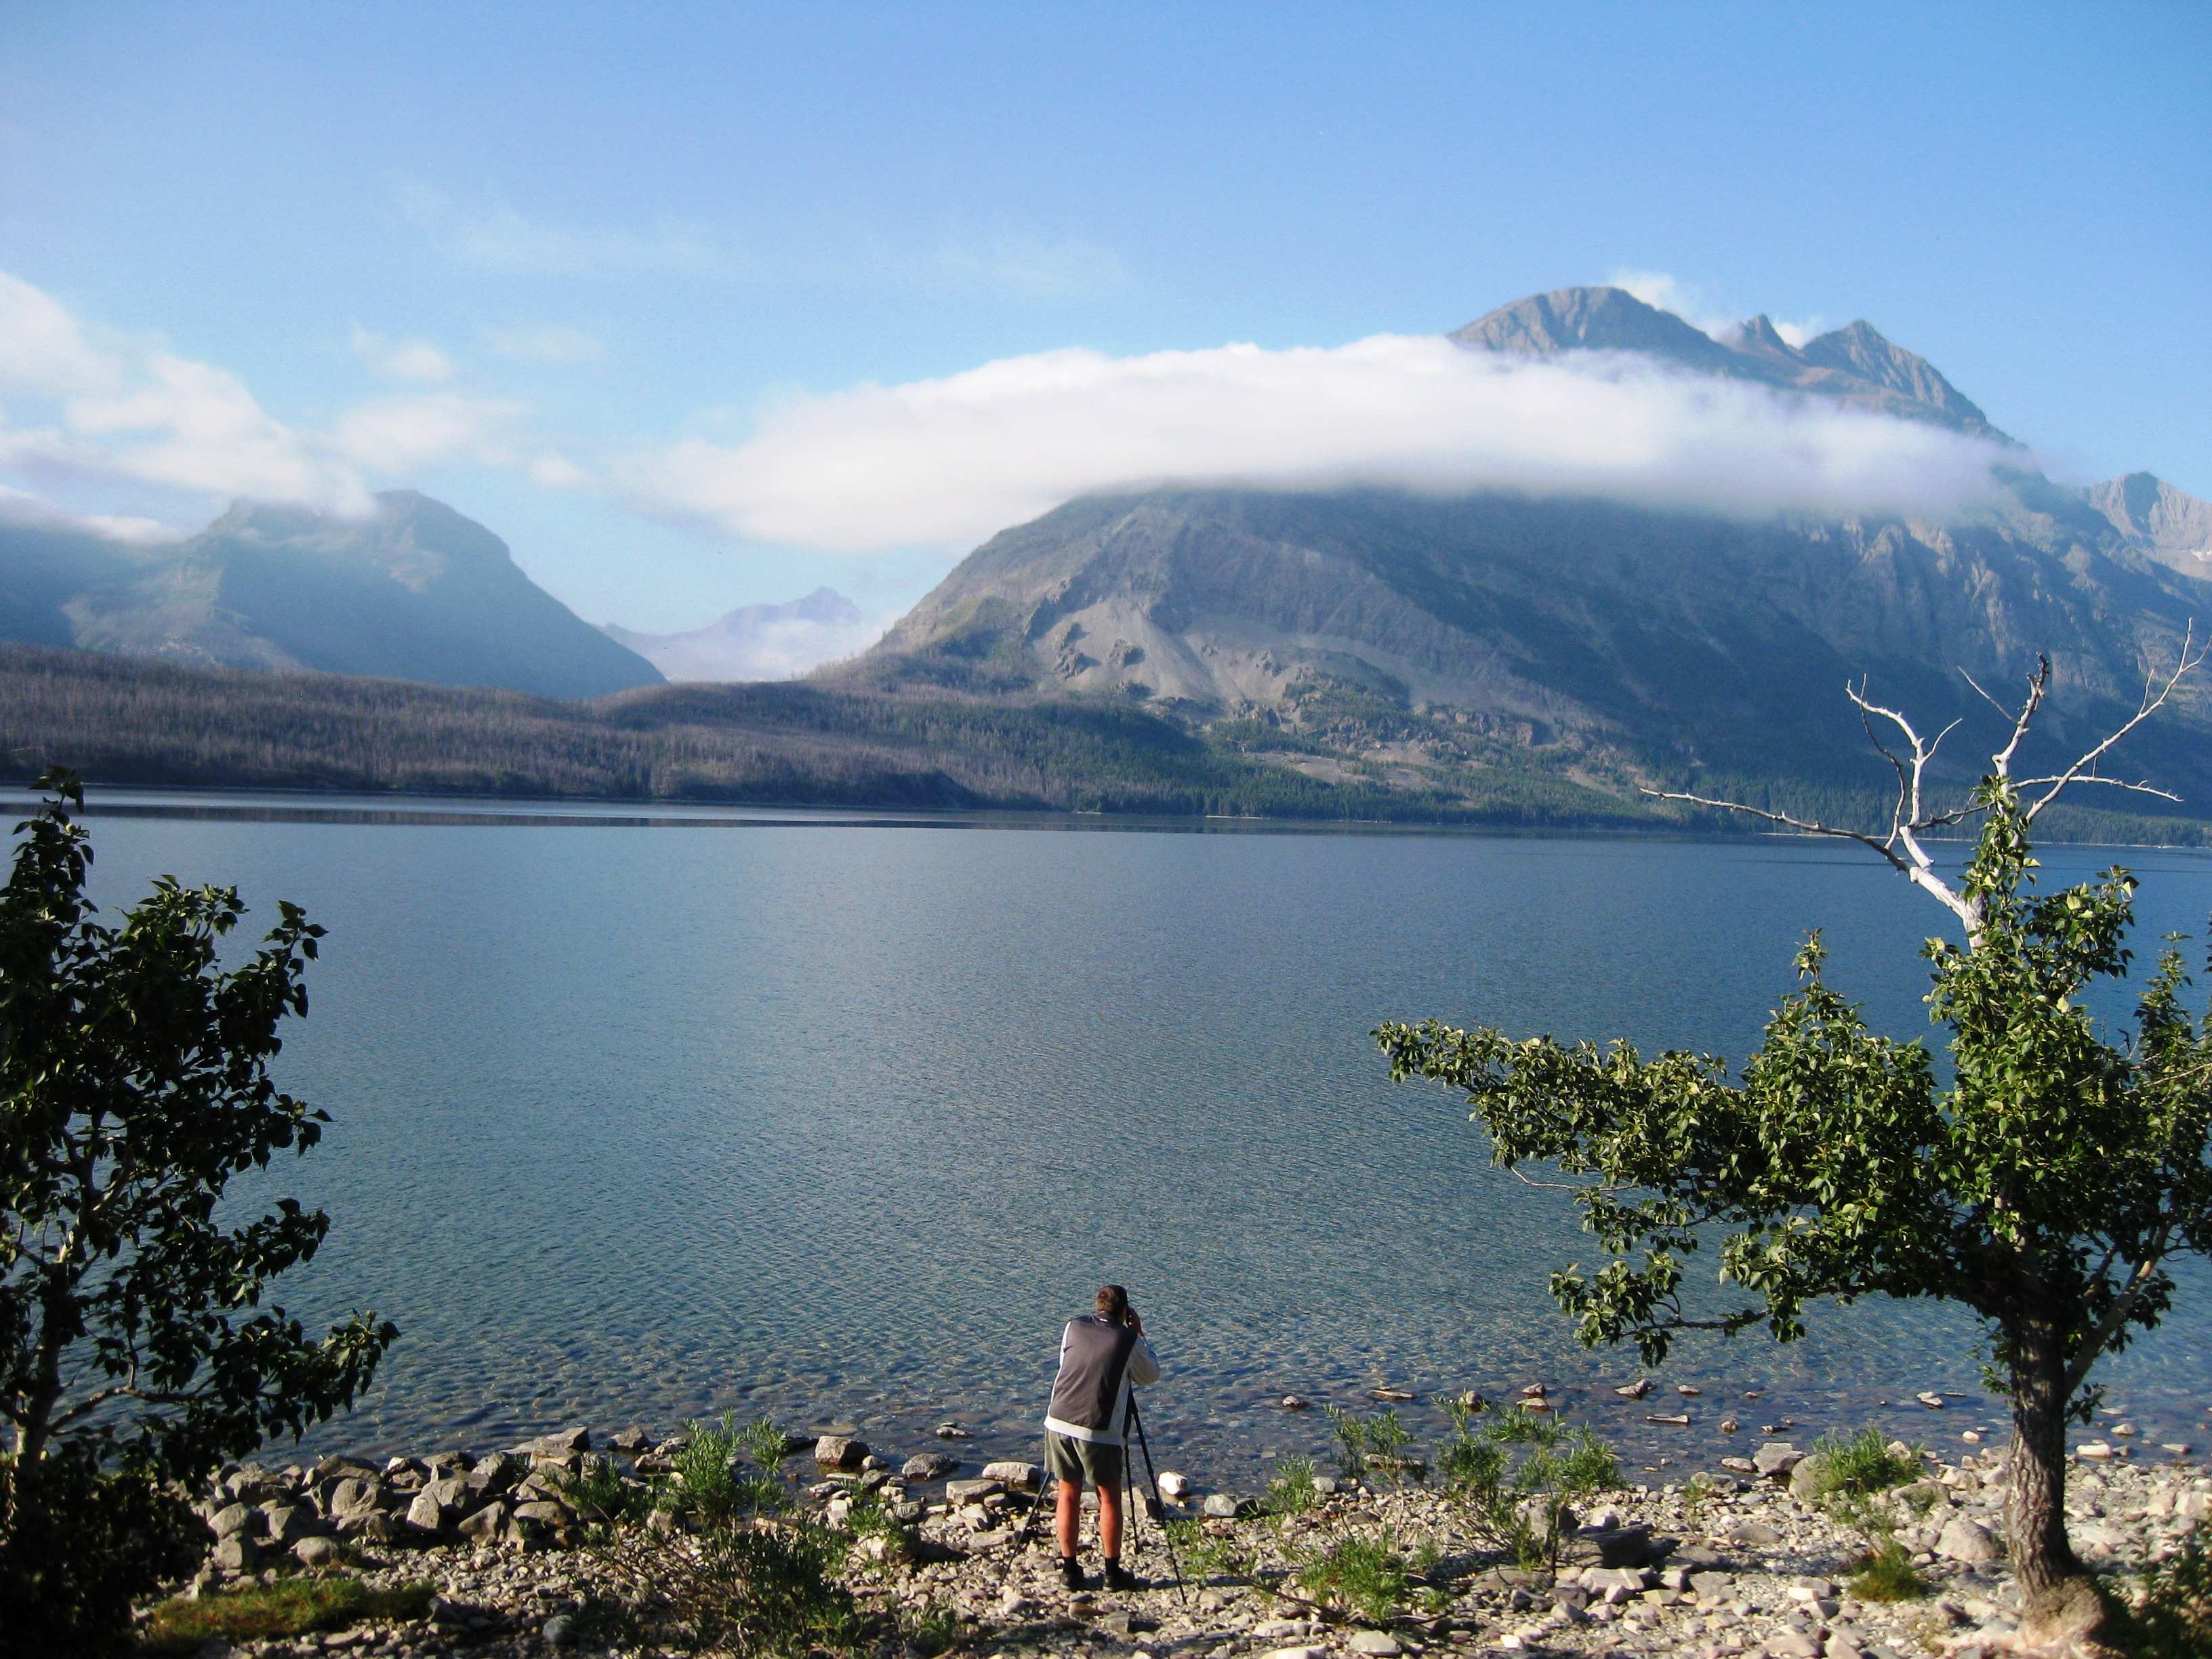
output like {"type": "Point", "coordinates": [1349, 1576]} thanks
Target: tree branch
{"type": "Point", "coordinates": [2116, 1315]}
{"type": "Point", "coordinates": [2154, 698]}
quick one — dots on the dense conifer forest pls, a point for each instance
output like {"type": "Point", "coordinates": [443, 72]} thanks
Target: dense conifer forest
{"type": "Point", "coordinates": [131, 720]}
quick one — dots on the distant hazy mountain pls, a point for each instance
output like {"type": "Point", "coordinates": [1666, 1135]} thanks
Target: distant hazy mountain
{"type": "Point", "coordinates": [1429, 641]}
{"type": "Point", "coordinates": [759, 642]}
{"type": "Point", "coordinates": [2153, 514]}
{"type": "Point", "coordinates": [413, 591]}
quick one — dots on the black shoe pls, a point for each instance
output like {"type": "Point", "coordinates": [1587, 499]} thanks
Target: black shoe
{"type": "Point", "coordinates": [1071, 1574]}
{"type": "Point", "coordinates": [1116, 1579]}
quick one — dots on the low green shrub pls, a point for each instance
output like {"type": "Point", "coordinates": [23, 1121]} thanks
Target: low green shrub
{"type": "Point", "coordinates": [2172, 1616]}
{"type": "Point", "coordinates": [1886, 1573]}
{"type": "Point", "coordinates": [1292, 1491]}
{"type": "Point", "coordinates": [82, 1544]}
{"type": "Point", "coordinates": [1364, 1574]}
{"type": "Point", "coordinates": [1206, 1555]}
{"type": "Point", "coordinates": [708, 1487]}
{"type": "Point", "coordinates": [1862, 1465]}
{"type": "Point", "coordinates": [1517, 1475]}
{"type": "Point", "coordinates": [1370, 1447]}
{"type": "Point", "coordinates": [290, 1606]}
{"type": "Point", "coordinates": [600, 1497]}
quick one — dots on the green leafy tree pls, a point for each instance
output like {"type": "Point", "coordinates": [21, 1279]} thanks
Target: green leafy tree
{"type": "Point", "coordinates": [134, 1084]}
{"type": "Point", "coordinates": [2049, 1186]}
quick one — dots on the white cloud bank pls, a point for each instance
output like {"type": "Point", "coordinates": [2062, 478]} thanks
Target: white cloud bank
{"type": "Point", "coordinates": [946, 462]}
{"type": "Point", "coordinates": [83, 407]}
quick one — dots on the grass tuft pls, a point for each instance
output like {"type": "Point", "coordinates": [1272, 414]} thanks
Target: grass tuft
{"type": "Point", "coordinates": [1886, 1573]}
{"type": "Point", "coordinates": [1862, 1464]}
{"type": "Point", "coordinates": [291, 1607]}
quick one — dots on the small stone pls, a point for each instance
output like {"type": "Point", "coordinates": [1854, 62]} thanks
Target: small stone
{"type": "Point", "coordinates": [952, 1431]}
{"type": "Point", "coordinates": [2123, 1431]}
{"type": "Point", "coordinates": [1535, 1402]}
{"type": "Point", "coordinates": [1754, 1534]}
{"type": "Point", "coordinates": [319, 1551]}
{"type": "Point", "coordinates": [1962, 1540]}
{"type": "Point", "coordinates": [1022, 1477]}
{"type": "Point", "coordinates": [1295, 1653]}
{"type": "Point", "coordinates": [1673, 1419]}
{"type": "Point", "coordinates": [969, 1491]}
{"type": "Point", "coordinates": [1635, 1390]}
{"type": "Point", "coordinates": [1534, 1391]}
{"type": "Point", "coordinates": [1777, 1457]}
{"type": "Point", "coordinates": [2096, 1452]}
{"type": "Point", "coordinates": [425, 1513]}
{"type": "Point", "coordinates": [1220, 1506]}
{"type": "Point", "coordinates": [1381, 1644]}
{"type": "Point", "coordinates": [1175, 1486]}
{"type": "Point", "coordinates": [1972, 1436]}
{"type": "Point", "coordinates": [1729, 1425]}
{"type": "Point", "coordinates": [559, 1631]}
{"type": "Point", "coordinates": [561, 1443]}
{"type": "Point", "coordinates": [1688, 1390]}
{"type": "Point", "coordinates": [1296, 1403]}
{"type": "Point", "coordinates": [633, 1442]}
{"type": "Point", "coordinates": [928, 1466]}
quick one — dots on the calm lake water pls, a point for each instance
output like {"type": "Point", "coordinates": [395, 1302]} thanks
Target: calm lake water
{"type": "Point", "coordinates": [644, 1118]}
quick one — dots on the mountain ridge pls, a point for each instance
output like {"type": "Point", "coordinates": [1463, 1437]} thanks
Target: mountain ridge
{"type": "Point", "coordinates": [1425, 639]}
{"type": "Point", "coordinates": [415, 590]}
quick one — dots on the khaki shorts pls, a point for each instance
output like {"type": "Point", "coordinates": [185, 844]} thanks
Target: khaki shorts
{"type": "Point", "coordinates": [1080, 1461]}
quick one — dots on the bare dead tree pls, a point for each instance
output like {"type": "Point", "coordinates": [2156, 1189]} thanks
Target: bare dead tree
{"type": "Point", "coordinates": [1911, 817]}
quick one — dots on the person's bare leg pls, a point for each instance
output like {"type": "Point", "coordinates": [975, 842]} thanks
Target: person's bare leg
{"type": "Point", "coordinates": [1109, 1523]}
{"type": "Point", "coordinates": [1064, 1519]}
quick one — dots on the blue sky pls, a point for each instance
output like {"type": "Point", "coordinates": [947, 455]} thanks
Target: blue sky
{"type": "Point", "coordinates": [560, 266]}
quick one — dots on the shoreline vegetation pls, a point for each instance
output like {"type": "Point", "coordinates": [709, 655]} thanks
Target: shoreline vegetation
{"type": "Point", "coordinates": [1841, 1547]}
{"type": "Point", "coordinates": [823, 744]}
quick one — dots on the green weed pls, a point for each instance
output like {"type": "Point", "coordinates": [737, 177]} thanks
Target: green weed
{"type": "Point", "coordinates": [1292, 1491]}
{"type": "Point", "coordinates": [1517, 1475]}
{"type": "Point", "coordinates": [1886, 1573]}
{"type": "Point", "coordinates": [1372, 1446]}
{"type": "Point", "coordinates": [1362, 1573]}
{"type": "Point", "coordinates": [1862, 1464]}
{"type": "Point", "coordinates": [2173, 1617]}
{"type": "Point", "coordinates": [291, 1607]}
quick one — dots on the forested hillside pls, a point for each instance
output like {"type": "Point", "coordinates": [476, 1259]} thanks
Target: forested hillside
{"type": "Point", "coordinates": [121, 721]}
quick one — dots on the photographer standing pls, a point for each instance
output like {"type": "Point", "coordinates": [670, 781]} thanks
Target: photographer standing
{"type": "Point", "coordinates": [1102, 1355]}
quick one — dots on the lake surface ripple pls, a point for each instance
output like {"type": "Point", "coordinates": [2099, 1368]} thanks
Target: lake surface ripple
{"type": "Point", "coordinates": [836, 1119]}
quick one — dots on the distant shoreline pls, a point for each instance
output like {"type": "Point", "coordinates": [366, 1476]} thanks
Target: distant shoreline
{"type": "Point", "coordinates": [308, 804]}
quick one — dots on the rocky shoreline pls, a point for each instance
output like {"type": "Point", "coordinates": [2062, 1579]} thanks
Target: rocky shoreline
{"type": "Point", "coordinates": [1741, 1560]}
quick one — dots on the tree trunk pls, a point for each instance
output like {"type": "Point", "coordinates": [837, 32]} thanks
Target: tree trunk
{"type": "Point", "coordinates": [2056, 1597]}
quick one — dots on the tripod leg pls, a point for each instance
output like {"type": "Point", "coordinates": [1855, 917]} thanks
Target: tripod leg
{"type": "Point", "coordinates": [1136, 1422]}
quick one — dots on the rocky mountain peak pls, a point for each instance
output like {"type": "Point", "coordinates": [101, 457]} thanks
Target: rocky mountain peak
{"type": "Point", "coordinates": [1591, 320]}
{"type": "Point", "coordinates": [1759, 335]}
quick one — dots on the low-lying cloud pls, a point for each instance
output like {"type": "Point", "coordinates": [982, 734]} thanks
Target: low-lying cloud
{"type": "Point", "coordinates": [88, 408]}
{"type": "Point", "coordinates": [947, 462]}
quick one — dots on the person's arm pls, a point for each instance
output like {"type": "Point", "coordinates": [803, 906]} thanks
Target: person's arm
{"type": "Point", "coordinates": [1144, 1368]}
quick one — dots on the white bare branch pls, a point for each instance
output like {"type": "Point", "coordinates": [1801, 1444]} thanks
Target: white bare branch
{"type": "Point", "coordinates": [1909, 816]}
{"type": "Point", "coordinates": [2154, 698]}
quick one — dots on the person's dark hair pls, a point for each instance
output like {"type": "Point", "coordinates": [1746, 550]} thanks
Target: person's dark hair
{"type": "Point", "coordinates": [1114, 1303]}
